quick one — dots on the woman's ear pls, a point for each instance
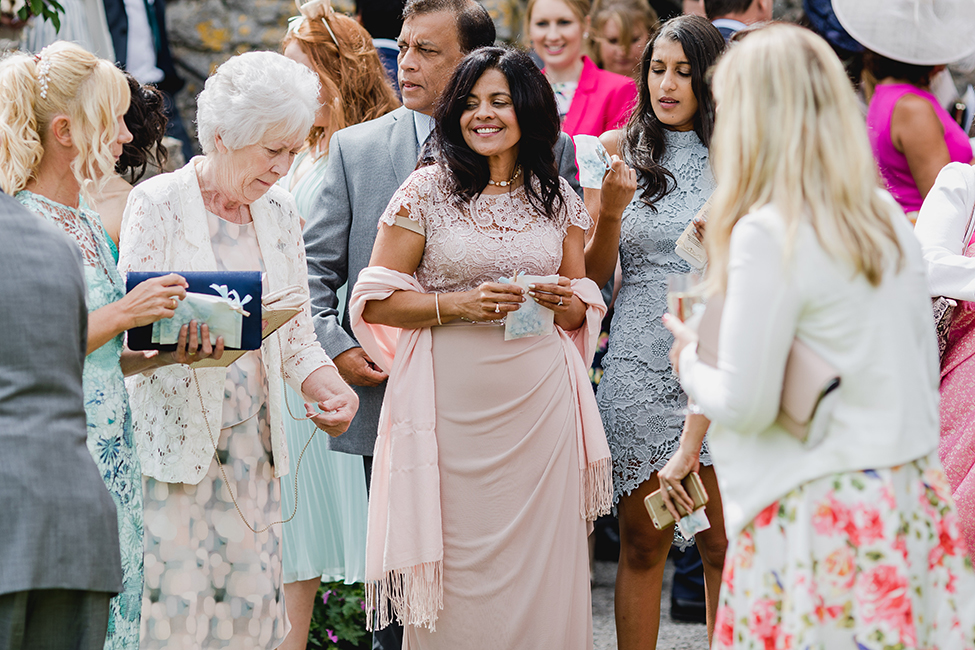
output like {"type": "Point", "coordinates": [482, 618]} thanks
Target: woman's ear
{"type": "Point", "coordinates": [218, 143]}
{"type": "Point", "coordinates": [60, 130]}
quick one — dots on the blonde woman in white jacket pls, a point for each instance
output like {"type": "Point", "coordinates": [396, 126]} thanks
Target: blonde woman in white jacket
{"type": "Point", "coordinates": [852, 542]}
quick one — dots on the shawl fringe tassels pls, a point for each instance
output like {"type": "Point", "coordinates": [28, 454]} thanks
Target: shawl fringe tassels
{"type": "Point", "coordinates": [413, 595]}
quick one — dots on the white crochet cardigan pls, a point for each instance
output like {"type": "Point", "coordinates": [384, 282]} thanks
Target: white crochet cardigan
{"type": "Point", "coordinates": [165, 229]}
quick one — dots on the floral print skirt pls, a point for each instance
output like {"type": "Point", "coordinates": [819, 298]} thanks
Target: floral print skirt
{"type": "Point", "coordinates": [211, 583]}
{"type": "Point", "coordinates": [862, 560]}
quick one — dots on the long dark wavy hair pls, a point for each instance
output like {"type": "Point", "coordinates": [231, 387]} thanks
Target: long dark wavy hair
{"type": "Point", "coordinates": [146, 121]}
{"type": "Point", "coordinates": [538, 119]}
{"type": "Point", "coordinates": [643, 143]}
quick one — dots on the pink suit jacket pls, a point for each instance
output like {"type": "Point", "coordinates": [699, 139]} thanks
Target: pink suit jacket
{"type": "Point", "coordinates": [603, 100]}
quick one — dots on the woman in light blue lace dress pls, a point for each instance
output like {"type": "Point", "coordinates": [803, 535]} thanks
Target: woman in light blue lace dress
{"type": "Point", "coordinates": [665, 159]}
{"type": "Point", "coordinates": [327, 538]}
{"type": "Point", "coordinates": [58, 147]}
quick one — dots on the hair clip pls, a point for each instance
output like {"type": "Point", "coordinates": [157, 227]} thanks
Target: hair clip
{"type": "Point", "coordinates": [43, 70]}
{"type": "Point", "coordinates": [307, 10]}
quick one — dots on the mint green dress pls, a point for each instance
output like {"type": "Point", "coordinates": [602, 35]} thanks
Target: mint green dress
{"type": "Point", "coordinates": [327, 537]}
{"type": "Point", "coordinates": [110, 440]}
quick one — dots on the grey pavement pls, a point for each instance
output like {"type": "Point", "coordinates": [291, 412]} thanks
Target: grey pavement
{"type": "Point", "coordinates": [673, 635]}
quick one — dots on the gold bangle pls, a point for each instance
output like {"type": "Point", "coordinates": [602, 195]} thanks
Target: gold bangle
{"type": "Point", "coordinates": [436, 303]}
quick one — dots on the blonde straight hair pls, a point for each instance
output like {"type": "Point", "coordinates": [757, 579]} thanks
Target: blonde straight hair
{"type": "Point", "coordinates": [788, 132]}
{"type": "Point", "coordinates": [65, 79]}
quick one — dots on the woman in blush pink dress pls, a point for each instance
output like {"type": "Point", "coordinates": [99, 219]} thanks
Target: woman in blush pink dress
{"type": "Point", "coordinates": [942, 225]}
{"type": "Point", "coordinates": [491, 456]}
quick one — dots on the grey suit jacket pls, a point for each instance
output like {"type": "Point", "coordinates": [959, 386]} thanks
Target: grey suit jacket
{"type": "Point", "coordinates": [58, 527]}
{"type": "Point", "coordinates": [367, 163]}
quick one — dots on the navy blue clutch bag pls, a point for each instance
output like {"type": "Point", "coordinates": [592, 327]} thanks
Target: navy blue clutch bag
{"type": "Point", "coordinates": [245, 283]}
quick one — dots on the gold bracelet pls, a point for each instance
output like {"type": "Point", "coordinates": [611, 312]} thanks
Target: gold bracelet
{"type": "Point", "coordinates": [436, 303]}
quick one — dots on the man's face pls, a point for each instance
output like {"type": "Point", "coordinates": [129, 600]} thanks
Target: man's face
{"type": "Point", "coordinates": [429, 50]}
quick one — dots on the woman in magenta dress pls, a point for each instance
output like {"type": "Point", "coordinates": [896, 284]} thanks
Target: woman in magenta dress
{"type": "Point", "coordinates": [912, 136]}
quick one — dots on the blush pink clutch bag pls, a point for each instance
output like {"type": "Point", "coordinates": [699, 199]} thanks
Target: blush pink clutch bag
{"type": "Point", "coordinates": [808, 387]}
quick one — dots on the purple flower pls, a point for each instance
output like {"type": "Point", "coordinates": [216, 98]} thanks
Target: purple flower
{"type": "Point", "coordinates": [332, 637]}
{"type": "Point", "coordinates": [362, 604]}
{"type": "Point", "coordinates": [325, 597]}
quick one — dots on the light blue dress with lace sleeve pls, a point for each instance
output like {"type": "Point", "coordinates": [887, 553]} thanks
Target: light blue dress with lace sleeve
{"type": "Point", "coordinates": [639, 396]}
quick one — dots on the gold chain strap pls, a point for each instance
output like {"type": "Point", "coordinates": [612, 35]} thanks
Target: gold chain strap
{"type": "Point", "coordinates": [223, 472]}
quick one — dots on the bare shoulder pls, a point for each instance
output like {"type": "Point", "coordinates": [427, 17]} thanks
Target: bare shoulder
{"type": "Point", "coordinates": [611, 140]}
{"type": "Point", "coordinates": [914, 111]}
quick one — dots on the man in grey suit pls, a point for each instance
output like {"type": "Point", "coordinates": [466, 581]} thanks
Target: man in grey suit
{"type": "Point", "coordinates": [367, 164]}
{"type": "Point", "coordinates": [59, 549]}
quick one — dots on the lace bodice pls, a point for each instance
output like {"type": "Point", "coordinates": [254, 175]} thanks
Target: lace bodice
{"type": "Point", "coordinates": [492, 236]}
{"type": "Point", "coordinates": [639, 395]}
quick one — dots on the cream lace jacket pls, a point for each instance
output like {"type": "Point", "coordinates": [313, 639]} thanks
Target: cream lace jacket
{"type": "Point", "coordinates": [165, 229]}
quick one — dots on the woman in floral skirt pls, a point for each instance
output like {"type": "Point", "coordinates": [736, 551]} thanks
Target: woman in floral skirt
{"type": "Point", "coordinates": [850, 540]}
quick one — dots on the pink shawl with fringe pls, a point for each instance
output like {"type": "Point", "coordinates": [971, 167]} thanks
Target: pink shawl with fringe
{"type": "Point", "coordinates": [404, 542]}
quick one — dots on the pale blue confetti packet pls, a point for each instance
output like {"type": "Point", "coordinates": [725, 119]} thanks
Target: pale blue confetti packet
{"type": "Point", "coordinates": [223, 315]}
{"type": "Point", "coordinates": [531, 319]}
{"type": "Point", "coordinates": [592, 159]}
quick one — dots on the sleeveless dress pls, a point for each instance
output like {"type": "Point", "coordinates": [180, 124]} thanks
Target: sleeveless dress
{"type": "Point", "coordinates": [327, 537]}
{"type": "Point", "coordinates": [110, 440]}
{"type": "Point", "coordinates": [515, 555]}
{"type": "Point", "coordinates": [639, 396]}
{"type": "Point", "coordinates": [892, 163]}
{"type": "Point", "coordinates": [210, 581]}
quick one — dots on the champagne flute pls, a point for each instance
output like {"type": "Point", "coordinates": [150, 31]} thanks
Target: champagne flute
{"type": "Point", "coordinates": [685, 301]}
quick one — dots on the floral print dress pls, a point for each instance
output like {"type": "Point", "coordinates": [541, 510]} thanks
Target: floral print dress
{"type": "Point", "coordinates": [110, 440]}
{"type": "Point", "coordinates": [210, 581]}
{"type": "Point", "coordinates": [867, 560]}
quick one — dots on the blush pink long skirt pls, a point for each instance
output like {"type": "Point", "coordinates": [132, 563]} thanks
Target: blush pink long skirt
{"type": "Point", "coordinates": [516, 569]}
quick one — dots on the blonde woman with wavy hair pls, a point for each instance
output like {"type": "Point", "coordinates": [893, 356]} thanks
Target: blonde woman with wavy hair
{"type": "Point", "coordinates": [850, 540]}
{"type": "Point", "coordinates": [61, 127]}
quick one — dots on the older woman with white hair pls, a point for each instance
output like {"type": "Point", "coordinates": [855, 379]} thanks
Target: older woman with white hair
{"type": "Point", "coordinates": [213, 560]}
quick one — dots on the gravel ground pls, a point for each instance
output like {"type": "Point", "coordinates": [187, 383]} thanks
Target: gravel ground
{"type": "Point", "coordinates": [673, 635]}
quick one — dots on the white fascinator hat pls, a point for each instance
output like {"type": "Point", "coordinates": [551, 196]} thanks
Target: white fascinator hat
{"type": "Point", "coordinates": [919, 32]}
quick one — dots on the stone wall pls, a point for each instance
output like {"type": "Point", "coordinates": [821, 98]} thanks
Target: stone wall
{"type": "Point", "coordinates": [204, 33]}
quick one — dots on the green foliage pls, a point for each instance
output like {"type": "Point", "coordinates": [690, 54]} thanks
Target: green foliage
{"type": "Point", "coordinates": [338, 621]}
{"type": "Point", "coordinates": [48, 9]}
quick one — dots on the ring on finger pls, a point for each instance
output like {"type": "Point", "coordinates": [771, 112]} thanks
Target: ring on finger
{"type": "Point", "coordinates": [560, 301]}
{"type": "Point", "coordinates": [497, 308]}
{"type": "Point", "coordinates": [670, 488]}
{"type": "Point", "coordinates": [175, 303]}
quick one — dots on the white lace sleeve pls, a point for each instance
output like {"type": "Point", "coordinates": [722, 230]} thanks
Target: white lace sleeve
{"type": "Point", "coordinates": [144, 232]}
{"type": "Point", "coordinates": [416, 196]}
{"type": "Point", "coordinates": [574, 212]}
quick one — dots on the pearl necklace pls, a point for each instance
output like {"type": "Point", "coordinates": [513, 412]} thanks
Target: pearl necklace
{"type": "Point", "coordinates": [507, 182]}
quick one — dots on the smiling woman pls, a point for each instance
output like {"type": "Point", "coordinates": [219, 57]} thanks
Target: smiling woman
{"type": "Point", "coordinates": [589, 100]}
{"type": "Point", "coordinates": [519, 460]}
{"type": "Point", "coordinates": [223, 212]}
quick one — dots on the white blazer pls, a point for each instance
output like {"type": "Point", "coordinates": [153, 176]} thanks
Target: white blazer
{"type": "Point", "coordinates": [881, 339]}
{"type": "Point", "coordinates": [164, 228]}
{"type": "Point", "coordinates": [941, 228]}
